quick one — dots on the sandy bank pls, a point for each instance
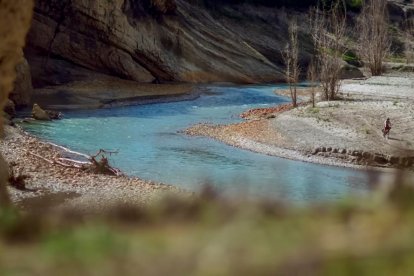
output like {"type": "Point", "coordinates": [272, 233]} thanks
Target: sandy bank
{"type": "Point", "coordinates": [56, 187]}
{"type": "Point", "coordinates": [342, 133]}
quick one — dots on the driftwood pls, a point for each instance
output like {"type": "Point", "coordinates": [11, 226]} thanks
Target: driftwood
{"type": "Point", "coordinates": [102, 166]}
{"type": "Point", "coordinates": [95, 165]}
{"type": "Point", "coordinates": [74, 161]}
{"type": "Point", "coordinates": [40, 157]}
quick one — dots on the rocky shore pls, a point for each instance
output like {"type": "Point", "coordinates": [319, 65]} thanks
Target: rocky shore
{"type": "Point", "coordinates": [54, 187]}
{"type": "Point", "coordinates": [340, 133]}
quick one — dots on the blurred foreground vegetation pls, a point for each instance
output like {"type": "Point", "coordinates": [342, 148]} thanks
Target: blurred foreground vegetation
{"type": "Point", "coordinates": [211, 236]}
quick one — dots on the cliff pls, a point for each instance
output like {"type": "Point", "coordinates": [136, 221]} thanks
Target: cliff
{"type": "Point", "coordinates": [76, 42]}
{"type": "Point", "coordinates": [135, 40]}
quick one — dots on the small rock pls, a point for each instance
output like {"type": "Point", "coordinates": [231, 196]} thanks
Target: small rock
{"type": "Point", "coordinates": [323, 149]}
{"type": "Point", "coordinates": [366, 155]}
{"type": "Point", "coordinates": [380, 159]}
{"type": "Point", "coordinates": [335, 150]}
{"type": "Point", "coordinates": [356, 153]}
{"type": "Point", "coordinates": [329, 149]}
{"type": "Point", "coordinates": [342, 151]}
{"type": "Point", "coordinates": [54, 115]}
{"type": "Point", "coordinates": [393, 160]}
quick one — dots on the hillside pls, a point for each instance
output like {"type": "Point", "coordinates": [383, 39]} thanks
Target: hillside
{"type": "Point", "coordinates": [127, 39]}
{"type": "Point", "coordinates": [73, 43]}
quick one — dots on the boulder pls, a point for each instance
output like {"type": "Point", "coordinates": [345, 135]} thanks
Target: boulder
{"type": "Point", "coordinates": [10, 108]}
{"type": "Point", "coordinates": [39, 114]}
{"type": "Point", "coordinates": [351, 72]}
{"type": "Point", "coordinates": [54, 115]}
{"type": "Point", "coordinates": [23, 88]}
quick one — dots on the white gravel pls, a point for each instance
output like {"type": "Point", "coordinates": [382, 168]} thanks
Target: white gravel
{"type": "Point", "coordinates": [384, 87]}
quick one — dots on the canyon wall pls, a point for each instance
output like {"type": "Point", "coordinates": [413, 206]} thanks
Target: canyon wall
{"type": "Point", "coordinates": [135, 40]}
{"type": "Point", "coordinates": [15, 18]}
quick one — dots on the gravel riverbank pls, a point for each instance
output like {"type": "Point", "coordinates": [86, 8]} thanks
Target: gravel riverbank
{"type": "Point", "coordinates": [341, 133]}
{"type": "Point", "coordinates": [55, 187]}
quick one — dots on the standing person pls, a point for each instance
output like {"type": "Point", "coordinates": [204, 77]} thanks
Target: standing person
{"type": "Point", "coordinates": [387, 128]}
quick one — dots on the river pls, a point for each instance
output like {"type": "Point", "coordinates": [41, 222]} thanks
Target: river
{"type": "Point", "coordinates": [151, 146]}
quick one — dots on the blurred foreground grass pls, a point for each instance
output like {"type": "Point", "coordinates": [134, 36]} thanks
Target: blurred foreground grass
{"type": "Point", "coordinates": [209, 236]}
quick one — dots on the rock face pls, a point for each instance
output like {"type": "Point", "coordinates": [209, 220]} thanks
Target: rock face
{"type": "Point", "coordinates": [165, 40]}
{"type": "Point", "coordinates": [146, 42]}
{"type": "Point", "coordinates": [15, 17]}
{"type": "Point", "coordinates": [23, 88]}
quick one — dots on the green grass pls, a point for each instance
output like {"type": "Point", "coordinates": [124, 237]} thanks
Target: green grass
{"type": "Point", "coordinates": [367, 130]}
{"type": "Point", "coordinates": [349, 56]}
{"type": "Point", "coordinates": [354, 4]}
{"type": "Point", "coordinates": [313, 110]}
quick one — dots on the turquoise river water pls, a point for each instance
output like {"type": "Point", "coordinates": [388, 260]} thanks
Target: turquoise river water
{"type": "Point", "coordinates": [151, 146]}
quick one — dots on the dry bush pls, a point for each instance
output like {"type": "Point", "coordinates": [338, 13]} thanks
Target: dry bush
{"type": "Point", "coordinates": [100, 164]}
{"type": "Point", "coordinates": [374, 41]}
{"type": "Point", "coordinates": [329, 36]}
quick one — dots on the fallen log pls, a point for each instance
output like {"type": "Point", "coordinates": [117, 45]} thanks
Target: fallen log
{"type": "Point", "coordinates": [95, 165]}
{"type": "Point", "coordinates": [74, 161]}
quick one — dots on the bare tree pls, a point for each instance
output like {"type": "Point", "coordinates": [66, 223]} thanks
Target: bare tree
{"type": "Point", "coordinates": [374, 41]}
{"type": "Point", "coordinates": [328, 25]}
{"type": "Point", "coordinates": [312, 79]}
{"type": "Point", "coordinates": [291, 59]}
{"type": "Point", "coordinates": [408, 40]}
